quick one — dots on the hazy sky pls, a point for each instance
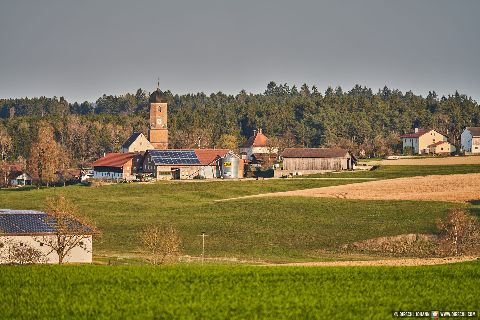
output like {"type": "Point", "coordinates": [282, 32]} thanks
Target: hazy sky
{"type": "Point", "coordinates": [82, 49]}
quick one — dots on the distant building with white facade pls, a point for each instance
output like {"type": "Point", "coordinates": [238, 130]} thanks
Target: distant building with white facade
{"type": "Point", "coordinates": [470, 140]}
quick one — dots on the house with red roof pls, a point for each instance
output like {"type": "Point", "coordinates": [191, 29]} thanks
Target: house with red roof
{"type": "Point", "coordinates": [425, 141]}
{"type": "Point", "coordinates": [258, 148]}
{"type": "Point", "coordinates": [117, 166]}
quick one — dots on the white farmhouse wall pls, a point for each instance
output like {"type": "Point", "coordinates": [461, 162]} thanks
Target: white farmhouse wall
{"type": "Point", "coordinates": [76, 255]}
{"type": "Point", "coordinates": [107, 175]}
{"type": "Point", "coordinates": [469, 143]}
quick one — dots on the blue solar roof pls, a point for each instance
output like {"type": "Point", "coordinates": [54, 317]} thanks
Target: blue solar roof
{"type": "Point", "coordinates": [29, 221]}
{"type": "Point", "coordinates": [174, 157]}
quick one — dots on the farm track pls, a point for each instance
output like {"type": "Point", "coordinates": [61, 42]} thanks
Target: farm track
{"type": "Point", "coordinates": [410, 262]}
{"type": "Point", "coordinates": [428, 161]}
{"type": "Point", "coordinates": [450, 188]}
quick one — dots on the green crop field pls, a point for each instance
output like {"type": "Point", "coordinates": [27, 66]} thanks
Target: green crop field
{"type": "Point", "coordinates": [234, 292]}
{"type": "Point", "coordinates": [276, 229]}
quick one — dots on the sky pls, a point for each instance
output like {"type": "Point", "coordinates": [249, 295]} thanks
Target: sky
{"type": "Point", "coordinates": [84, 49]}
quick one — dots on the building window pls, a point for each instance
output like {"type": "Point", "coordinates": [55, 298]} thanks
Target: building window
{"type": "Point", "coordinates": [2, 245]}
{"type": "Point", "coordinates": [41, 244]}
{"type": "Point", "coordinates": [159, 109]}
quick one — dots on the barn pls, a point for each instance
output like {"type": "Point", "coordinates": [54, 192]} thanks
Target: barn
{"type": "Point", "coordinates": [184, 164]}
{"type": "Point", "coordinates": [24, 235]}
{"type": "Point", "coordinates": [117, 166]}
{"type": "Point", "coordinates": [312, 160]}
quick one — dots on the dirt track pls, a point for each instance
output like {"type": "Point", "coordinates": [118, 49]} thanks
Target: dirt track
{"type": "Point", "coordinates": [428, 161]}
{"type": "Point", "coordinates": [452, 188]}
{"type": "Point", "coordinates": [394, 262]}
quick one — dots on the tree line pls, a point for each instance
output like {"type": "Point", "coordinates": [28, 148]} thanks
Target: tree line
{"type": "Point", "coordinates": [359, 119]}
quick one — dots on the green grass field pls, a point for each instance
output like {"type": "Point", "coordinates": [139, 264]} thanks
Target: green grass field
{"type": "Point", "coordinates": [275, 229]}
{"type": "Point", "coordinates": [234, 292]}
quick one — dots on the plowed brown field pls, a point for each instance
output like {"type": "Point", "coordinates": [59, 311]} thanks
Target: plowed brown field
{"type": "Point", "coordinates": [452, 188]}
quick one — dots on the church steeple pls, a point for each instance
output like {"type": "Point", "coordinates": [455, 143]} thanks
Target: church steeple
{"type": "Point", "coordinates": [158, 131]}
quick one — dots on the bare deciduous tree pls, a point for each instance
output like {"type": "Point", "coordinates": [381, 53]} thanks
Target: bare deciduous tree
{"type": "Point", "coordinates": [459, 233]}
{"type": "Point", "coordinates": [161, 244]}
{"type": "Point", "coordinates": [70, 231]}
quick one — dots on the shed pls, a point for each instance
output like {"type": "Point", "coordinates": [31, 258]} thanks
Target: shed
{"type": "Point", "coordinates": [29, 229]}
{"type": "Point", "coordinates": [309, 160]}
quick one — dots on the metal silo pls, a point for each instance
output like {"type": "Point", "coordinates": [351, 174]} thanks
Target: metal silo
{"type": "Point", "coordinates": [230, 166]}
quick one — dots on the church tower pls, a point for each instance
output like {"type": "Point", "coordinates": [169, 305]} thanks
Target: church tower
{"type": "Point", "coordinates": [158, 131]}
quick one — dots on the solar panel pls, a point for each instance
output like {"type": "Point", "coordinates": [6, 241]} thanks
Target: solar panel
{"type": "Point", "coordinates": [30, 221]}
{"type": "Point", "coordinates": [177, 157]}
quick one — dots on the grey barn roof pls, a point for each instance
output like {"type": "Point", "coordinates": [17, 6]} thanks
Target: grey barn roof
{"type": "Point", "coordinates": [131, 139]}
{"type": "Point", "coordinates": [315, 153]}
{"type": "Point", "coordinates": [27, 222]}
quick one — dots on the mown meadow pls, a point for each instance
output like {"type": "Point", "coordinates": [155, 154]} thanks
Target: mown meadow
{"type": "Point", "coordinates": [273, 229]}
{"type": "Point", "coordinates": [234, 292]}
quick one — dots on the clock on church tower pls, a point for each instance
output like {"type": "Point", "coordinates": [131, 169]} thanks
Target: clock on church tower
{"type": "Point", "coordinates": [158, 131]}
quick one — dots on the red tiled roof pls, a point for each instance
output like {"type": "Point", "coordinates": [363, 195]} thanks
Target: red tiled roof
{"type": "Point", "coordinates": [314, 153]}
{"type": "Point", "coordinates": [418, 134]}
{"type": "Point", "coordinates": [475, 131]}
{"type": "Point", "coordinates": [207, 156]}
{"type": "Point", "coordinates": [258, 140]}
{"type": "Point", "coordinates": [116, 160]}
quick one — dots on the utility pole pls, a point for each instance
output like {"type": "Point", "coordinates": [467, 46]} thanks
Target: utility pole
{"type": "Point", "coordinates": [203, 235]}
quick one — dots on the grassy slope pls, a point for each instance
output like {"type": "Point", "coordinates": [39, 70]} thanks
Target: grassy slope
{"type": "Point", "coordinates": [269, 228]}
{"type": "Point", "coordinates": [194, 292]}
{"type": "Point", "coordinates": [391, 172]}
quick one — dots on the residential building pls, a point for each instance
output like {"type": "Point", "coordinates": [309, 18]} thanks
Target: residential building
{"type": "Point", "coordinates": [137, 142]}
{"type": "Point", "coordinates": [421, 140]}
{"type": "Point", "coordinates": [470, 140]}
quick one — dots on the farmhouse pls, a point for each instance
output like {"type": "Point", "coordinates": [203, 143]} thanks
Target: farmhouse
{"type": "Point", "coordinates": [137, 142]}
{"type": "Point", "coordinates": [422, 140]}
{"type": "Point", "coordinates": [118, 166]}
{"type": "Point", "coordinates": [192, 164]}
{"type": "Point", "coordinates": [24, 235]}
{"type": "Point", "coordinates": [258, 148]}
{"type": "Point", "coordinates": [470, 140]}
{"type": "Point", "coordinates": [312, 160]}
{"type": "Point", "coordinates": [441, 147]}
{"type": "Point", "coordinates": [19, 178]}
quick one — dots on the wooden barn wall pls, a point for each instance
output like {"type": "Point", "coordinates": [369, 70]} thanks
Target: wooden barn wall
{"type": "Point", "coordinates": [295, 164]}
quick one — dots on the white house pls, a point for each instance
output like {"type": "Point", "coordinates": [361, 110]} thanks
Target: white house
{"type": "Point", "coordinates": [137, 142]}
{"type": "Point", "coordinates": [258, 147]}
{"type": "Point", "coordinates": [422, 140]}
{"type": "Point", "coordinates": [470, 140]}
{"type": "Point", "coordinates": [20, 178]}
{"type": "Point", "coordinates": [23, 230]}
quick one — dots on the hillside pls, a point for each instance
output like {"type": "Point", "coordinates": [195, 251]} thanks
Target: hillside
{"type": "Point", "coordinates": [276, 229]}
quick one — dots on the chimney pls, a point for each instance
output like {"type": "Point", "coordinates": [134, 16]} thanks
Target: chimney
{"type": "Point", "coordinates": [416, 130]}
{"type": "Point", "coordinates": [260, 130]}
{"type": "Point", "coordinates": [254, 132]}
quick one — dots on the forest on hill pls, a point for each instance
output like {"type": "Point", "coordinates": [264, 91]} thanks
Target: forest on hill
{"type": "Point", "coordinates": [358, 119]}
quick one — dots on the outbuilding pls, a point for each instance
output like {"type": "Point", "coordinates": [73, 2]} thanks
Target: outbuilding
{"type": "Point", "coordinates": [118, 166]}
{"type": "Point", "coordinates": [19, 179]}
{"type": "Point", "coordinates": [184, 164]}
{"type": "Point", "coordinates": [24, 235]}
{"type": "Point", "coordinates": [298, 161]}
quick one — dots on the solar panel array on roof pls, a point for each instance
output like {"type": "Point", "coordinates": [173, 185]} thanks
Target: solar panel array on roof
{"type": "Point", "coordinates": [178, 157]}
{"type": "Point", "coordinates": [24, 223]}
{"type": "Point", "coordinates": [30, 221]}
